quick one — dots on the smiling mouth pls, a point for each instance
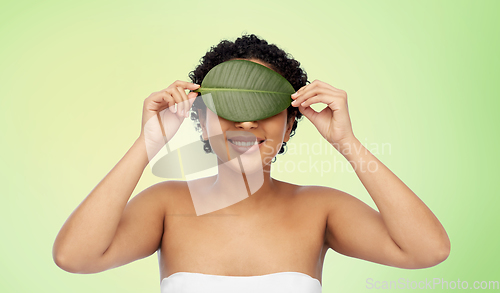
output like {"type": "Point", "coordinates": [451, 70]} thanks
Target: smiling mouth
{"type": "Point", "coordinates": [243, 143]}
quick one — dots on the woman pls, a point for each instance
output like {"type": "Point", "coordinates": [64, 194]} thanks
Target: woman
{"type": "Point", "coordinates": [275, 239]}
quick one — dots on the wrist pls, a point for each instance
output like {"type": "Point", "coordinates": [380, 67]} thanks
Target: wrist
{"type": "Point", "coordinates": [140, 151]}
{"type": "Point", "coordinates": [140, 138]}
{"type": "Point", "coordinates": [346, 145]}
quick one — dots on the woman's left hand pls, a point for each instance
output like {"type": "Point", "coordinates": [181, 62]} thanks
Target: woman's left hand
{"type": "Point", "coordinates": [332, 122]}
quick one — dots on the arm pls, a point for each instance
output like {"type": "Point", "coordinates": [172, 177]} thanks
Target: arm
{"type": "Point", "coordinates": [106, 230]}
{"type": "Point", "coordinates": [405, 233]}
{"type": "Point", "coordinates": [91, 228]}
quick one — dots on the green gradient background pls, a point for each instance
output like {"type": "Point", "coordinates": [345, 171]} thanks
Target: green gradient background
{"type": "Point", "coordinates": [420, 75]}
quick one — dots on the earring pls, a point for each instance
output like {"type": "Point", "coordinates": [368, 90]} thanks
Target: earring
{"type": "Point", "coordinates": [283, 145]}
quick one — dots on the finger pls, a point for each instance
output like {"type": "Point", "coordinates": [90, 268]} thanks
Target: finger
{"type": "Point", "coordinates": [170, 102]}
{"type": "Point", "coordinates": [185, 101]}
{"type": "Point", "coordinates": [178, 100]}
{"type": "Point", "coordinates": [183, 85]}
{"type": "Point", "coordinates": [307, 95]}
{"type": "Point", "coordinates": [334, 88]}
{"type": "Point", "coordinates": [319, 98]}
{"type": "Point", "coordinates": [297, 93]}
{"type": "Point", "coordinates": [191, 98]}
{"type": "Point", "coordinates": [186, 85]}
{"type": "Point", "coordinates": [309, 113]}
{"type": "Point", "coordinates": [167, 101]}
{"type": "Point", "coordinates": [161, 101]}
{"type": "Point", "coordinates": [305, 88]}
{"type": "Point", "coordinates": [315, 84]}
{"type": "Point", "coordinates": [154, 101]}
{"type": "Point", "coordinates": [319, 83]}
{"type": "Point", "coordinates": [156, 97]}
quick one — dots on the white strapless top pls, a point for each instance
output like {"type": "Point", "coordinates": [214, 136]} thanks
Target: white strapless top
{"type": "Point", "coordinates": [283, 282]}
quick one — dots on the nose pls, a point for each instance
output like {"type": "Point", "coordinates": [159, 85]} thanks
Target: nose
{"type": "Point", "coordinates": [246, 124]}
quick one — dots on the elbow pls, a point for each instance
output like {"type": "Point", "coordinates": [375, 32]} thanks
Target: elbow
{"type": "Point", "coordinates": [438, 256]}
{"type": "Point", "coordinates": [63, 263]}
{"type": "Point", "coordinates": [70, 264]}
{"type": "Point", "coordinates": [432, 257]}
{"type": "Point", "coordinates": [60, 260]}
{"type": "Point", "coordinates": [78, 265]}
{"type": "Point", "coordinates": [442, 250]}
{"type": "Point", "coordinates": [58, 257]}
{"type": "Point", "coordinates": [75, 267]}
{"type": "Point", "coordinates": [438, 252]}
{"type": "Point", "coordinates": [443, 253]}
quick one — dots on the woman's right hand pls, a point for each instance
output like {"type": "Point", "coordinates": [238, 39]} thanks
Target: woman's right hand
{"type": "Point", "coordinates": [160, 119]}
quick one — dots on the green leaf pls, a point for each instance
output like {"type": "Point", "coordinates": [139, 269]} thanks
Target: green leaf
{"type": "Point", "coordinates": [242, 90]}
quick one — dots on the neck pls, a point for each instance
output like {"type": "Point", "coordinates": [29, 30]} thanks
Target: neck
{"type": "Point", "coordinates": [248, 182]}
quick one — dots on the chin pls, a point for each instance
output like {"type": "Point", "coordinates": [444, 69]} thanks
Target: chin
{"type": "Point", "coordinates": [251, 165]}
{"type": "Point", "coordinates": [243, 164]}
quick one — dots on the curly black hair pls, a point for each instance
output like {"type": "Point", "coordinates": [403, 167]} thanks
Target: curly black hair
{"type": "Point", "coordinates": [249, 47]}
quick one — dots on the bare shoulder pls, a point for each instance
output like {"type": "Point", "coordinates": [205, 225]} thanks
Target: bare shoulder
{"type": "Point", "coordinates": [167, 191]}
{"type": "Point", "coordinates": [168, 188]}
{"type": "Point", "coordinates": [323, 193]}
{"type": "Point", "coordinates": [151, 202]}
{"type": "Point", "coordinates": [175, 196]}
{"type": "Point", "coordinates": [162, 195]}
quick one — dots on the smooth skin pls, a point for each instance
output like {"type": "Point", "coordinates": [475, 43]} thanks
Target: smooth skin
{"type": "Point", "coordinates": [282, 227]}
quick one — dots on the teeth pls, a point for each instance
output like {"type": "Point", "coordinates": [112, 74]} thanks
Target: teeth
{"type": "Point", "coordinates": [243, 143]}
